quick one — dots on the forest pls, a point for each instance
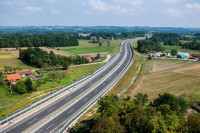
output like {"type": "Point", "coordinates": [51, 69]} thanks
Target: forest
{"type": "Point", "coordinates": [193, 45]}
{"type": "Point", "coordinates": [37, 40]}
{"type": "Point", "coordinates": [145, 46]}
{"type": "Point", "coordinates": [164, 114]}
{"type": "Point", "coordinates": [166, 38]}
{"type": "Point", "coordinates": [40, 58]}
{"type": "Point", "coordinates": [109, 35]}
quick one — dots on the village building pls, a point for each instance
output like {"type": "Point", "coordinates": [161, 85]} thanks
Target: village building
{"type": "Point", "coordinates": [25, 74]}
{"type": "Point", "coordinates": [196, 55]}
{"type": "Point", "coordinates": [13, 78]}
{"type": "Point", "coordinates": [182, 56]}
{"type": "Point", "coordinates": [183, 53]}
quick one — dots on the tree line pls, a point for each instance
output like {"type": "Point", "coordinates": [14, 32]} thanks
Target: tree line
{"type": "Point", "coordinates": [193, 45]}
{"type": "Point", "coordinates": [164, 114]}
{"type": "Point", "coordinates": [166, 38]}
{"type": "Point", "coordinates": [37, 40]}
{"type": "Point", "coordinates": [145, 46]}
{"type": "Point", "coordinates": [40, 58]}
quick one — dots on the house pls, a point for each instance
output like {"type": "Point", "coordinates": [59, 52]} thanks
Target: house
{"type": "Point", "coordinates": [182, 56]}
{"type": "Point", "coordinates": [85, 56]}
{"type": "Point", "coordinates": [37, 77]}
{"type": "Point", "coordinates": [12, 78]}
{"type": "Point", "coordinates": [89, 58]}
{"type": "Point", "coordinates": [185, 53]}
{"type": "Point", "coordinates": [196, 55]}
{"type": "Point", "coordinates": [25, 74]}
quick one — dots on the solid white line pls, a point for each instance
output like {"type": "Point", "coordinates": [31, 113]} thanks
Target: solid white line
{"type": "Point", "coordinates": [49, 126]}
{"type": "Point", "coordinates": [52, 108]}
{"type": "Point", "coordinates": [32, 121]}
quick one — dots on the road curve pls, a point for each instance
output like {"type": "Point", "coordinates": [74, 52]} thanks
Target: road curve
{"type": "Point", "coordinates": [96, 87]}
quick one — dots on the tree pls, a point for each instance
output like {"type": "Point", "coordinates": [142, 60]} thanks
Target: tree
{"type": "Point", "coordinates": [29, 85]}
{"type": "Point", "coordinates": [19, 88]}
{"type": "Point", "coordinates": [193, 124]}
{"type": "Point", "coordinates": [141, 99]}
{"type": "Point", "coordinates": [176, 104]}
{"type": "Point", "coordinates": [100, 44]}
{"type": "Point", "coordinates": [98, 56]}
{"type": "Point", "coordinates": [65, 65]}
{"type": "Point", "coordinates": [174, 52]}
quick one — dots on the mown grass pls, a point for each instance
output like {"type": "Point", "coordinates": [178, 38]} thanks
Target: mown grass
{"type": "Point", "coordinates": [11, 103]}
{"type": "Point", "coordinates": [7, 59]}
{"type": "Point", "coordinates": [182, 81]}
{"type": "Point", "coordinates": [169, 48]}
{"type": "Point", "coordinates": [89, 50]}
{"type": "Point", "coordinates": [86, 47]}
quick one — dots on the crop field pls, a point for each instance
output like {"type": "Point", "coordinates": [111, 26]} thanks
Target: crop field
{"type": "Point", "coordinates": [180, 78]}
{"type": "Point", "coordinates": [8, 59]}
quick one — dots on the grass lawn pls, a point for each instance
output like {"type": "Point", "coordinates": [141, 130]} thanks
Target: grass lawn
{"type": "Point", "coordinates": [86, 47]}
{"type": "Point", "coordinates": [180, 78]}
{"type": "Point", "coordinates": [89, 50]}
{"type": "Point", "coordinates": [169, 48]}
{"type": "Point", "coordinates": [11, 103]}
{"type": "Point", "coordinates": [7, 59]}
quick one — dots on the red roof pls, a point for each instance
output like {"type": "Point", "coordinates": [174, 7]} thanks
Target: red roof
{"type": "Point", "coordinates": [89, 58]}
{"type": "Point", "coordinates": [196, 55]}
{"type": "Point", "coordinates": [86, 56]}
{"type": "Point", "coordinates": [13, 76]}
{"type": "Point", "coordinates": [25, 72]}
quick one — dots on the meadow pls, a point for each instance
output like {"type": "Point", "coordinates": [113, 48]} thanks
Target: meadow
{"type": "Point", "coordinates": [168, 48]}
{"type": "Point", "coordinates": [177, 77]}
{"type": "Point", "coordinates": [86, 47]}
{"type": "Point", "coordinates": [8, 59]}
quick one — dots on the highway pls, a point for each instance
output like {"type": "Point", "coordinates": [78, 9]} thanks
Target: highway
{"type": "Point", "coordinates": [85, 96]}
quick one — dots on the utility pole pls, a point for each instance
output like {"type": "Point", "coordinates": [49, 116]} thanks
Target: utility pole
{"type": "Point", "coordinates": [11, 89]}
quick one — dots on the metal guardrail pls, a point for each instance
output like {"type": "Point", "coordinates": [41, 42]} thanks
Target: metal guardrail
{"type": "Point", "coordinates": [77, 115]}
{"type": "Point", "coordinates": [51, 95]}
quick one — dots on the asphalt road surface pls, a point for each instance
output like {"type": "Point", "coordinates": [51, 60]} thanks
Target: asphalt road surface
{"type": "Point", "coordinates": [55, 124]}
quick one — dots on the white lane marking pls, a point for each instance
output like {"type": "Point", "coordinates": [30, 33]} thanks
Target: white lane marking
{"type": "Point", "coordinates": [52, 108]}
{"type": "Point", "coordinates": [70, 111]}
{"type": "Point", "coordinates": [32, 121]}
{"type": "Point", "coordinates": [49, 126]}
{"type": "Point", "coordinates": [68, 98]}
{"type": "Point", "coordinates": [85, 99]}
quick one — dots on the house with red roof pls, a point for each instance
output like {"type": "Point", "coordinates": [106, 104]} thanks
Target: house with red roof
{"type": "Point", "coordinates": [25, 73]}
{"type": "Point", "coordinates": [12, 78]}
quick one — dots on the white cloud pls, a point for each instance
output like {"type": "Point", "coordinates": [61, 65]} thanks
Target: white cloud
{"type": "Point", "coordinates": [132, 2]}
{"type": "Point", "coordinates": [51, 1]}
{"type": "Point", "coordinates": [169, 1]}
{"type": "Point", "coordinates": [99, 5]}
{"type": "Point", "coordinates": [33, 9]}
{"type": "Point", "coordinates": [54, 11]}
{"type": "Point", "coordinates": [195, 6]}
{"type": "Point", "coordinates": [7, 2]}
{"type": "Point", "coordinates": [172, 12]}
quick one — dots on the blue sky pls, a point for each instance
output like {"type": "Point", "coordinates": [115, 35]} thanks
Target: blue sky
{"type": "Point", "coordinates": [164, 13]}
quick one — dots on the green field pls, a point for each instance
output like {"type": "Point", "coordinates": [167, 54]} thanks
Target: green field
{"type": "Point", "coordinates": [86, 47]}
{"type": "Point", "coordinates": [89, 50]}
{"type": "Point", "coordinates": [19, 101]}
{"type": "Point", "coordinates": [168, 47]}
{"type": "Point", "coordinates": [7, 59]}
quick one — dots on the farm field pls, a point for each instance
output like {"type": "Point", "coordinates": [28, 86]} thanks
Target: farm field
{"type": "Point", "coordinates": [177, 77]}
{"type": "Point", "coordinates": [168, 48]}
{"type": "Point", "coordinates": [8, 59]}
{"type": "Point", "coordinates": [86, 47]}
{"type": "Point", "coordinates": [7, 100]}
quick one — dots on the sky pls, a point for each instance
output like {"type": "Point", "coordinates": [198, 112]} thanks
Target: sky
{"type": "Point", "coordinates": [153, 13]}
